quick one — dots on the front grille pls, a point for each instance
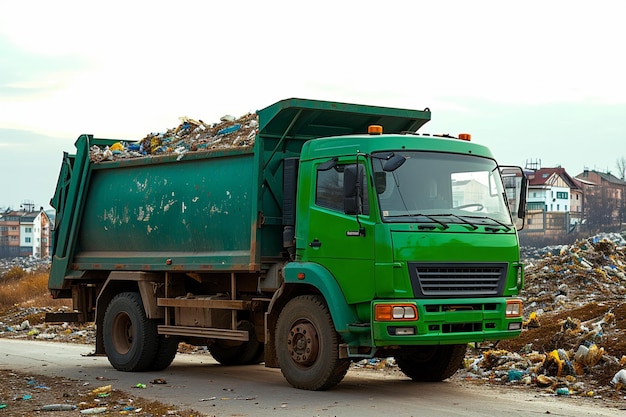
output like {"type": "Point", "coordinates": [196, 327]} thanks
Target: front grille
{"type": "Point", "coordinates": [457, 280]}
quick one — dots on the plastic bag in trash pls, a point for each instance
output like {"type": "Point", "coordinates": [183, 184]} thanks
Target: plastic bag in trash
{"type": "Point", "coordinates": [619, 380]}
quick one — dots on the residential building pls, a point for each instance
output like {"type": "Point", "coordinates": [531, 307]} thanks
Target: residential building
{"type": "Point", "coordinates": [10, 234]}
{"type": "Point", "coordinates": [555, 200]}
{"type": "Point", "coordinates": [25, 233]}
{"type": "Point", "coordinates": [605, 203]}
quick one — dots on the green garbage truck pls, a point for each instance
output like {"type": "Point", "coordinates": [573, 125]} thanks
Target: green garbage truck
{"type": "Point", "coordinates": [338, 234]}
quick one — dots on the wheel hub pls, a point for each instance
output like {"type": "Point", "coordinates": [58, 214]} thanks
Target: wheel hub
{"type": "Point", "coordinates": [303, 344]}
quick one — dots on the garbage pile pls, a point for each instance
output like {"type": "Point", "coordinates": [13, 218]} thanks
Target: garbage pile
{"type": "Point", "coordinates": [593, 269]}
{"type": "Point", "coordinates": [574, 337]}
{"type": "Point", "coordinates": [27, 264]}
{"type": "Point", "coordinates": [28, 323]}
{"type": "Point", "coordinates": [189, 136]}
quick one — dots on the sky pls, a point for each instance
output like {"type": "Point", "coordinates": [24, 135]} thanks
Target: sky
{"type": "Point", "coordinates": [533, 80]}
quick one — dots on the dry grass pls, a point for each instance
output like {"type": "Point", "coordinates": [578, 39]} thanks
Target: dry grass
{"type": "Point", "coordinates": [26, 289]}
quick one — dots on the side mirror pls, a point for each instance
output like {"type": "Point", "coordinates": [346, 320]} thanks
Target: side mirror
{"type": "Point", "coordinates": [352, 180]}
{"type": "Point", "coordinates": [521, 210]}
{"type": "Point", "coordinates": [393, 163]}
{"type": "Point", "coordinates": [516, 189]}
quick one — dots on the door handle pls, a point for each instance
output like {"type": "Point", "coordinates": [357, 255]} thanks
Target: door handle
{"type": "Point", "coordinates": [315, 244]}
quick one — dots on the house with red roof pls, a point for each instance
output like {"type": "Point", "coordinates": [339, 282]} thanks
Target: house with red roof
{"type": "Point", "coordinates": [555, 200]}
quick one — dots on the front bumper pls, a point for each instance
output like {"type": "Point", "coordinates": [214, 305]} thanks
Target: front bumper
{"type": "Point", "coordinates": [451, 321]}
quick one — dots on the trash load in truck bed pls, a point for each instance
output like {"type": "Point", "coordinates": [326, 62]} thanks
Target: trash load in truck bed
{"type": "Point", "coordinates": [189, 136]}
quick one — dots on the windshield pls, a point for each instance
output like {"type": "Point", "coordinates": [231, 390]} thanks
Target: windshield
{"type": "Point", "coordinates": [441, 188]}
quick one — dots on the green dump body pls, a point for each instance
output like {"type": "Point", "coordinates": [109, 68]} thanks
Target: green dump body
{"type": "Point", "coordinates": [208, 211]}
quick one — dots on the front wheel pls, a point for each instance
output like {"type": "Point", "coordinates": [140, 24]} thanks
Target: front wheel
{"type": "Point", "coordinates": [431, 363]}
{"type": "Point", "coordinates": [307, 345]}
{"type": "Point", "coordinates": [130, 339]}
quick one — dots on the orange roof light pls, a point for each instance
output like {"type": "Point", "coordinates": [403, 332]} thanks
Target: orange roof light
{"type": "Point", "coordinates": [465, 136]}
{"type": "Point", "coordinates": [375, 129]}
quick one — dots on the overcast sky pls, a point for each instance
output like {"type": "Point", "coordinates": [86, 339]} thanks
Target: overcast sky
{"type": "Point", "coordinates": [533, 80]}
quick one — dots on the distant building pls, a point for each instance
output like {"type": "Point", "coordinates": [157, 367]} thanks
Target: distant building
{"type": "Point", "coordinates": [25, 233]}
{"type": "Point", "coordinates": [605, 197]}
{"type": "Point", "coordinates": [555, 200]}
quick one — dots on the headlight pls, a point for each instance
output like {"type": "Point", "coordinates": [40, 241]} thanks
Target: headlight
{"type": "Point", "coordinates": [513, 308]}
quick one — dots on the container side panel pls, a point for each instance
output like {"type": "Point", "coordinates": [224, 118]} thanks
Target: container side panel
{"type": "Point", "coordinates": [196, 208]}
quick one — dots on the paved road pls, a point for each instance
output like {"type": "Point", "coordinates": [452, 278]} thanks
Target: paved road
{"type": "Point", "coordinates": [198, 382]}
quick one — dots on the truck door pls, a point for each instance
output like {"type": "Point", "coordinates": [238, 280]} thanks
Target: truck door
{"type": "Point", "coordinates": [340, 233]}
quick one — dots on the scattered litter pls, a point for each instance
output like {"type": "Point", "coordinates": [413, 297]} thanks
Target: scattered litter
{"type": "Point", "coordinates": [619, 380]}
{"type": "Point", "coordinates": [159, 381]}
{"type": "Point", "coordinates": [515, 375]}
{"type": "Point", "coordinates": [140, 385]}
{"type": "Point", "coordinates": [105, 389]}
{"type": "Point", "coordinates": [94, 410]}
{"type": "Point", "coordinates": [532, 322]}
{"type": "Point", "coordinates": [544, 381]}
{"type": "Point", "coordinates": [58, 407]}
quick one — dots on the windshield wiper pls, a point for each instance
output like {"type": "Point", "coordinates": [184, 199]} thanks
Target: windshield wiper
{"type": "Point", "coordinates": [472, 225]}
{"type": "Point", "coordinates": [432, 219]}
{"type": "Point", "coordinates": [493, 220]}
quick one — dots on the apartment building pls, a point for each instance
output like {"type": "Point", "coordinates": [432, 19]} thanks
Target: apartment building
{"type": "Point", "coordinates": [605, 197]}
{"type": "Point", "coordinates": [25, 233]}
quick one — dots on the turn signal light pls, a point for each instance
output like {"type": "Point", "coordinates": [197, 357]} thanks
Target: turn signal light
{"type": "Point", "coordinates": [391, 312]}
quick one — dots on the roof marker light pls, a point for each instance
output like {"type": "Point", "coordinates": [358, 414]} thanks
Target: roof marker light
{"type": "Point", "coordinates": [465, 136]}
{"type": "Point", "coordinates": [375, 129]}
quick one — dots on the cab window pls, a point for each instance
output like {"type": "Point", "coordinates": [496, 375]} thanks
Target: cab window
{"type": "Point", "coordinates": [329, 190]}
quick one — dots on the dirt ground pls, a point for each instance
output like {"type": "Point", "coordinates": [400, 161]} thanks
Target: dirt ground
{"type": "Point", "coordinates": [29, 395]}
{"type": "Point", "coordinates": [573, 342]}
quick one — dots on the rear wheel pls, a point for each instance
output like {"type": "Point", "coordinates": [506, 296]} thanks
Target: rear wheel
{"type": "Point", "coordinates": [307, 345]}
{"type": "Point", "coordinates": [238, 353]}
{"type": "Point", "coordinates": [431, 363]}
{"type": "Point", "coordinates": [168, 346]}
{"type": "Point", "coordinates": [130, 338]}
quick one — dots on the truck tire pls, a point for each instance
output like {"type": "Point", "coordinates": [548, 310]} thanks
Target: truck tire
{"type": "Point", "coordinates": [232, 353]}
{"type": "Point", "coordinates": [307, 345]}
{"type": "Point", "coordinates": [130, 338]}
{"type": "Point", "coordinates": [431, 363]}
{"type": "Point", "coordinates": [168, 347]}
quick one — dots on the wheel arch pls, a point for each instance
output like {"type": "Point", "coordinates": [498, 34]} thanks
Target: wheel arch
{"type": "Point", "coordinates": [317, 280]}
